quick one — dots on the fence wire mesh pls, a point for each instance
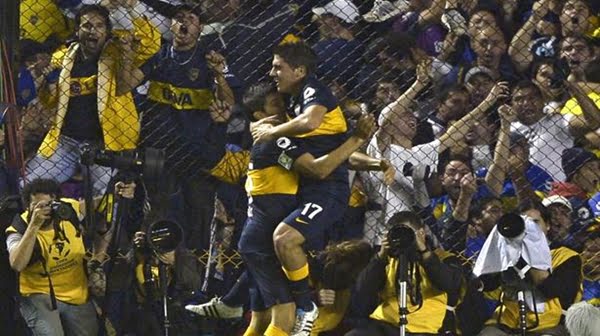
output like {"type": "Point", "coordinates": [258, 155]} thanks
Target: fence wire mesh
{"type": "Point", "coordinates": [483, 108]}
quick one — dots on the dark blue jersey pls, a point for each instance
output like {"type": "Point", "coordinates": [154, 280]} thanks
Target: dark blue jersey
{"type": "Point", "coordinates": [181, 88]}
{"type": "Point", "coordinates": [329, 135]}
{"type": "Point", "coordinates": [82, 121]}
{"type": "Point", "coordinates": [271, 185]}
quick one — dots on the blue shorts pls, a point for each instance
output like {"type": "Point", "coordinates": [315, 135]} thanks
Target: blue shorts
{"type": "Point", "coordinates": [266, 213]}
{"type": "Point", "coordinates": [268, 283]}
{"type": "Point", "coordinates": [319, 208]}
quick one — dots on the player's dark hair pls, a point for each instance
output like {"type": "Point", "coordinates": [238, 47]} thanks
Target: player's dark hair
{"type": "Point", "coordinates": [476, 210]}
{"type": "Point", "coordinates": [255, 97]}
{"type": "Point", "coordinates": [298, 54]}
{"type": "Point", "coordinates": [101, 10]}
{"type": "Point", "coordinates": [40, 186]}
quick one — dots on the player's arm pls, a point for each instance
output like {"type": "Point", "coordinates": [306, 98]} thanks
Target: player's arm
{"type": "Point", "coordinates": [320, 168]}
{"type": "Point", "coordinates": [310, 119]}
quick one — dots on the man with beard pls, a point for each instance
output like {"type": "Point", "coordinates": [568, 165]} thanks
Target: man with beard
{"type": "Point", "coordinates": [548, 135]}
{"type": "Point", "coordinates": [184, 79]}
{"type": "Point", "coordinates": [90, 106]}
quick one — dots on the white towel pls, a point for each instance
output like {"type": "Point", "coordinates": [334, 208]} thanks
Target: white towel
{"type": "Point", "coordinates": [499, 254]}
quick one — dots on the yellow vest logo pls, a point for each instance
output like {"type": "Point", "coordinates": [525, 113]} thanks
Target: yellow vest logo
{"type": "Point", "coordinates": [58, 250]}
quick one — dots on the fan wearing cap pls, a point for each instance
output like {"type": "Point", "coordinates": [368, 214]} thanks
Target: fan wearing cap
{"type": "Point", "coordinates": [339, 52]}
{"type": "Point", "coordinates": [561, 212]}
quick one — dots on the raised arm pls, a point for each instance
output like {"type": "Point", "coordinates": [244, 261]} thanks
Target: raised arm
{"type": "Point", "coordinates": [20, 254]}
{"type": "Point", "coordinates": [496, 175]}
{"type": "Point", "coordinates": [388, 119]}
{"type": "Point", "coordinates": [457, 132]}
{"type": "Point", "coordinates": [519, 46]}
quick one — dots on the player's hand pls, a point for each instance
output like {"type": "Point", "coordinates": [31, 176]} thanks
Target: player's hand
{"type": "Point", "coordinates": [365, 127]}
{"type": "Point", "coordinates": [40, 212]}
{"type": "Point", "coordinates": [125, 190]}
{"type": "Point", "coordinates": [220, 111]}
{"type": "Point", "coordinates": [216, 62]}
{"type": "Point", "coordinates": [326, 297]}
{"type": "Point", "coordinates": [262, 133]}
{"type": "Point", "coordinates": [389, 172]}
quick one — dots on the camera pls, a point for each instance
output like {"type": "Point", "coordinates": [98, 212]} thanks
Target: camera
{"type": "Point", "coordinates": [511, 225]}
{"type": "Point", "coordinates": [61, 210]}
{"type": "Point", "coordinates": [148, 162]}
{"type": "Point", "coordinates": [164, 236]}
{"type": "Point", "coordinates": [402, 240]}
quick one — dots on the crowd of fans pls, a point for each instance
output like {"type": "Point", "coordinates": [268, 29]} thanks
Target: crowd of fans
{"type": "Point", "coordinates": [483, 109]}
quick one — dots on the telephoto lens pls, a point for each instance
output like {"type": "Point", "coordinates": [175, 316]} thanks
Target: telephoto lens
{"type": "Point", "coordinates": [511, 225]}
{"type": "Point", "coordinates": [401, 239]}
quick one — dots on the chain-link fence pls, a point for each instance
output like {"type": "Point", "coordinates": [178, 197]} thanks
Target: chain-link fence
{"type": "Point", "coordinates": [483, 108]}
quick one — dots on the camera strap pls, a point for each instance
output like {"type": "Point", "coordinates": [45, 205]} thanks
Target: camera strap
{"type": "Point", "coordinates": [50, 286]}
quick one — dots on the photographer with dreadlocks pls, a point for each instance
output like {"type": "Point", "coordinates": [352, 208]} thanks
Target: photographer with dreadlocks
{"type": "Point", "coordinates": [434, 281]}
{"type": "Point", "coordinates": [46, 248]}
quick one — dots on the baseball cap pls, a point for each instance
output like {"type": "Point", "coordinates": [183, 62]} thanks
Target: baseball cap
{"type": "Point", "coordinates": [557, 199]}
{"type": "Point", "coordinates": [342, 9]}
{"type": "Point", "coordinates": [477, 70]}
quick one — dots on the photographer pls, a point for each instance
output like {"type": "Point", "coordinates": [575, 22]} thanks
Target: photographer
{"type": "Point", "coordinates": [550, 280]}
{"type": "Point", "coordinates": [165, 267]}
{"type": "Point", "coordinates": [46, 247]}
{"type": "Point", "coordinates": [435, 279]}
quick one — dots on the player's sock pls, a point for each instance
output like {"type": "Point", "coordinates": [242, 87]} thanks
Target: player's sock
{"type": "Point", "coordinates": [299, 287]}
{"type": "Point", "coordinates": [273, 330]}
{"type": "Point", "coordinates": [251, 332]}
{"type": "Point", "coordinates": [238, 293]}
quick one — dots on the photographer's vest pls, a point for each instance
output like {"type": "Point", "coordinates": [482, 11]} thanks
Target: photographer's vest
{"type": "Point", "coordinates": [429, 318]}
{"type": "Point", "coordinates": [553, 310]}
{"type": "Point", "coordinates": [56, 256]}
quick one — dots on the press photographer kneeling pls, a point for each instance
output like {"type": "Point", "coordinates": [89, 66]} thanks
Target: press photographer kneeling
{"type": "Point", "coordinates": [46, 247]}
{"type": "Point", "coordinates": [533, 284]}
{"type": "Point", "coordinates": [432, 278]}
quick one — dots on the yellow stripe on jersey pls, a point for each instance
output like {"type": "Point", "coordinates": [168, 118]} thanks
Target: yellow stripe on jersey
{"type": "Point", "coordinates": [271, 180]}
{"type": "Point", "coordinates": [180, 98]}
{"type": "Point", "coordinates": [334, 122]}
{"type": "Point", "coordinates": [232, 167]}
{"type": "Point", "coordinates": [83, 86]}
